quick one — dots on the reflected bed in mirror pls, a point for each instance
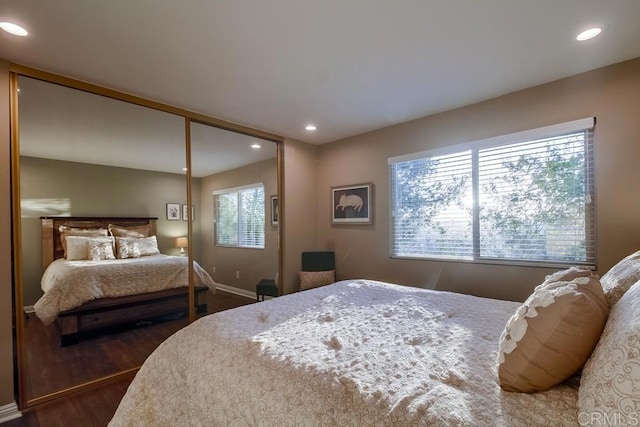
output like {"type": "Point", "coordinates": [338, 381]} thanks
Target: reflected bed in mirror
{"type": "Point", "coordinates": [102, 274]}
{"type": "Point", "coordinates": [86, 155]}
{"type": "Point", "coordinates": [85, 151]}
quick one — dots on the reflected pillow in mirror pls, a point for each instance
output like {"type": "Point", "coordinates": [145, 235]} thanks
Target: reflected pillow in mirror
{"type": "Point", "coordinates": [315, 279]}
{"type": "Point", "coordinates": [133, 231]}
{"type": "Point", "coordinates": [100, 249]}
{"type": "Point", "coordinates": [146, 246]}
{"type": "Point", "coordinates": [78, 246]}
{"type": "Point", "coordinates": [86, 232]}
{"type": "Point", "coordinates": [127, 247]}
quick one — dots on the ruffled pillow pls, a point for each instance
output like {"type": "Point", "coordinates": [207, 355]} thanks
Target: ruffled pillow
{"type": "Point", "coordinates": [551, 335]}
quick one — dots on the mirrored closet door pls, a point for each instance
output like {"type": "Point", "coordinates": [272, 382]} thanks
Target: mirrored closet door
{"type": "Point", "coordinates": [84, 155]}
{"type": "Point", "coordinates": [234, 186]}
{"type": "Point", "coordinates": [88, 159]}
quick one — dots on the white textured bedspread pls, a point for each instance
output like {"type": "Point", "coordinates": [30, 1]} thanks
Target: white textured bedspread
{"type": "Point", "coordinates": [69, 284]}
{"type": "Point", "coordinates": [356, 353]}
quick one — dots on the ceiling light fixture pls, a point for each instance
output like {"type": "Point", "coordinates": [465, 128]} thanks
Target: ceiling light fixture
{"type": "Point", "coordinates": [310, 127]}
{"type": "Point", "coordinates": [256, 146]}
{"type": "Point", "coordinates": [14, 29]}
{"type": "Point", "coordinates": [589, 34]}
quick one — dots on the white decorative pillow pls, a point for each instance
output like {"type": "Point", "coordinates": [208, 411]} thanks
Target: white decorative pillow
{"type": "Point", "coordinates": [127, 248]}
{"type": "Point", "coordinates": [610, 385]}
{"type": "Point", "coordinates": [100, 249]}
{"type": "Point", "coordinates": [78, 249]}
{"type": "Point", "coordinates": [315, 279]}
{"type": "Point", "coordinates": [620, 278]}
{"type": "Point", "coordinates": [551, 335]}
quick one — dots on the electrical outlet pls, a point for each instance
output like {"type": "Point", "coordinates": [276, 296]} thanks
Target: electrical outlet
{"type": "Point", "coordinates": [237, 274]}
{"type": "Point", "coordinates": [214, 269]}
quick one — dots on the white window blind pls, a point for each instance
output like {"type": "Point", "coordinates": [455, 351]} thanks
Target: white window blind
{"type": "Point", "coordinates": [525, 197]}
{"type": "Point", "coordinates": [240, 216]}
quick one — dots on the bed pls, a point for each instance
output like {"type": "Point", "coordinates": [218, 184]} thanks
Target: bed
{"type": "Point", "coordinates": [82, 294]}
{"type": "Point", "coordinates": [361, 352]}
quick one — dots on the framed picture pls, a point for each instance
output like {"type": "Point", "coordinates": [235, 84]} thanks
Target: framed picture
{"type": "Point", "coordinates": [185, 212]}
{"type": "Point", "coordinates": [173, 211]}
{"type": "Point", "coordinates": [274, 210]}
{"type": "Point", "coordinates": [351, 204]}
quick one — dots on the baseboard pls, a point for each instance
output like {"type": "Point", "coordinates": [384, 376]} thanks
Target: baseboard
{"type": "Point", "coordinates": [236, 291]}
{"type": "Point", "coordinates": [9, 412]}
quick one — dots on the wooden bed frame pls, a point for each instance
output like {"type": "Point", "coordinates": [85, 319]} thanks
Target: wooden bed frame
{"type": "Point", "coordinates": [104, 313]}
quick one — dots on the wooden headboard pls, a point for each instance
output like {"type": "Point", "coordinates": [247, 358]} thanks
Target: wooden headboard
{"type": "Point", "coordinates": [52, 245]}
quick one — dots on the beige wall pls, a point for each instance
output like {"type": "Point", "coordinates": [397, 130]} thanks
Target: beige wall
{"type": "Point", "coordinates": [300, 208]}
{"type": "Point", "coordinates": [93, 190]}
{"type": "Point", "coordinates": [253, 264]}
{"type": "Point", "coordinates": [6, 298]}
{"type": "Point", "coordinates": [611, 94]}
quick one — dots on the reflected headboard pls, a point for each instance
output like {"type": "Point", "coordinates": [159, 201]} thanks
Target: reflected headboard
{"type": "Point", "coordinates": [52, 245]}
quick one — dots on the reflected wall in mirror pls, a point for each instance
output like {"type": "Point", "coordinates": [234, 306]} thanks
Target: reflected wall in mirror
{"type": "Point", "coordinates": [234, 177]}
{"type": "Point", "coordinates": [86, 155]}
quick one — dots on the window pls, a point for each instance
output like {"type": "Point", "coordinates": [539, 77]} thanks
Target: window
{"type": "Point", "coordinates": [239, 217]}
{"type": "Point", "coordinates": [525, 197]}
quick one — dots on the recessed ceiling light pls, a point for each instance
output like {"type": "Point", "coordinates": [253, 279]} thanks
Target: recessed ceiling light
{"type": "Point", "coordinates": [310, 127]}
{"type": "Point", "coordinates": [14, 29]}
{"type": "Point", "coordinates": [256, 146]}
{"type": "Point", "coordinates": [589, 34]}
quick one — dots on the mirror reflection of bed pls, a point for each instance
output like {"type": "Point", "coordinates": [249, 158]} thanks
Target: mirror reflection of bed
{"type": "Point", "coordinates": [123, 160]}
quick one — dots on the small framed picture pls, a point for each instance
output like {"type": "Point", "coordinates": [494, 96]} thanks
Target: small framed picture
{"type": "Point", "coordinates": [351, 204]}
{"type": "Point", "coordinates": [185, 212]}
{"type": "Point", "coordinates": [173, 211]}
{"type": "Point", "coordinates": [274, 210]}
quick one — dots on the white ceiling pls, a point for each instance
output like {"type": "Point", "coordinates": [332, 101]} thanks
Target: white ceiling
{"type": "Point", "coordinates": [349, 66]}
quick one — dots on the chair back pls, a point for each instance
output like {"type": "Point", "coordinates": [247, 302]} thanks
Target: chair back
{"type": "Point", "coordinates": [318, 261]}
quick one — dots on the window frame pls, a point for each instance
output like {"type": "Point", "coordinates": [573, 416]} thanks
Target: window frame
{"type": "Point", "coordinates": [238, 191]}
{"type": "Point", "coordinates": [581, 125]}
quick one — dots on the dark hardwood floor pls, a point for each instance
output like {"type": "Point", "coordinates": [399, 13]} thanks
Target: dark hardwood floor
{"type": "Point", "coordinates": [96, 407]}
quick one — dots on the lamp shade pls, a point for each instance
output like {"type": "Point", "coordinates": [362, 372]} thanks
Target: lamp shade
{"type": "Point", "coordinates": [182, 242]}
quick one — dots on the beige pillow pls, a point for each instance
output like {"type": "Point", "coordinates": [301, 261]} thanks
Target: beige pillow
{"type": "Point", "coordinates": [620, 278]}
{"type": "Point", "coordinates": [78, 246]}
{"type": "Point", "coordinates": [132, 231]}
{"type": "Point", "coordinates": [315, 279]}
{"type": "Point", "coordinates": [610, 383]}
{"type": "Point", "coordinates": [86, 232]}
{"type": "Point", "coordinates": [551, 335]}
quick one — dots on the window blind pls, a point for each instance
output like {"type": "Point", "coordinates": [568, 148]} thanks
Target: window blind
{"type": "Point", "coordinates": [521, 197]}
{"type": "Point", "coordinates": [240, 217]}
